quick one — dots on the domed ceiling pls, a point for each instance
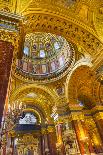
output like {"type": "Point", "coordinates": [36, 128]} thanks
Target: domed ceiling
{"type": "Point", "coordinates": [45, 56]}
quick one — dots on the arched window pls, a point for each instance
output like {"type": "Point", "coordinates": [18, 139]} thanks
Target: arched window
{"type": "Point", "coordinates": [42, 54]}
{"type": "Point", "coordinates": [56, 46]}
{"type": "Point", "coordinates": [26, 50]}
{"type": "Point", "coordinates": [28, 119]}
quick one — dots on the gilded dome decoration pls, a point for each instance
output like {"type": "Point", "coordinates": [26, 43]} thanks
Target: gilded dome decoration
{"type": "Point", "coordinates": [44, 55]}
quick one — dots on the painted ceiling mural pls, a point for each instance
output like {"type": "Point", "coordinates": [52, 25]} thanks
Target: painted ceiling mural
{"type": "Point", "coordinates": [44, 55]}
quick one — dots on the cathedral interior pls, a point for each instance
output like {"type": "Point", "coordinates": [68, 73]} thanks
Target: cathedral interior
{"type": "Point", "coordinates": [51, 77]}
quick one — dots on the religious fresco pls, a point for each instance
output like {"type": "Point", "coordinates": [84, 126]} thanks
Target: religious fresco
{"type": "Point", "coordinates": [44, 55]}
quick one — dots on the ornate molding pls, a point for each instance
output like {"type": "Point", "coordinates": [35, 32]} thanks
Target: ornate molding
{"type": "Point", "coordinates": [12, 37]}
{"type": "Point", "coordinates": [77, 116]}
{"type": "Point", "coordinates": [70, 29]}
{"type": "Point", "coordinates": [99, 115]}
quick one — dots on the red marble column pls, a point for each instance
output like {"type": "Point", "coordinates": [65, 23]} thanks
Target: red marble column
{"type": "Point", "coordinates": [46, 144]}
{"type": "Point", "coordinates": [52, 143]}
{"type": "Point", "coordinates": [6, 54]}
{"type": "Point", "coordinates": [86, 132]}
{"type": "Point", "coordinates": [77, 131]}
{"type": "Point", "coordinates": [12, 145]}
{"type": "Point", "coordinates": [59, 127]}
{"type": "Point", "coordinates": [99, 124]}
{"type": "Point", "coordinates": [4, 150]}
{"type": "Point", "coordinates": [52, 140]}
{"type": "Point", "coordinates": [41, 144]}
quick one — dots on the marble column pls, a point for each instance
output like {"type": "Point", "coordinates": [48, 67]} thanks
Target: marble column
{"type": "Point", "coordinates": [12, 145]}
{"type": "Point", "coordinates": [52, 140]}
{"type": "Point", "coordinates": [45, 145]}
{"type": "Point", "coordinates": [78, 131]}
{"type": "Point", "coordinates": [83, 138]}
{"type": "Point", "coordinates": [59, 127]}
{"type": "Point", "coordinates": [89, 142]}
{"type": "Point", "coordinates": [97, 113]}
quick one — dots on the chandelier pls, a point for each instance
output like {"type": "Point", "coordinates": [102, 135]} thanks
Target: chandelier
{"type": "Point", "coordinates": [13, 115]}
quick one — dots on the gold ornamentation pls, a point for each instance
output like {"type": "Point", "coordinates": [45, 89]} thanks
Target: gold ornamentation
{"type": "Point", "coordinates": [44, 131]}
{"type": "Point", "coordinates": [92, 131]}
{"type": "Point", "coordinates": [99, 115]}
{"type": "Point", "coordinates": [10, 37]}
{"type": "Point", "coordinates": [77, 116]}
{"type": "Point", "coordinates": [51, 129]}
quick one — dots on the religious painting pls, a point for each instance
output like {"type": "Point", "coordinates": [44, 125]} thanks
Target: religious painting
{"type": "Point", "coordinates": [60, 90]}
{"type": "Point", "coordinates": [48, 46]}
{"type": "Point", "coordinates": [61, 61]}
{"type": "Point", "coordinates": [35, 47]}
{"type": "Point", "coordinates": [34, 69]}
{"type": "Point", "coordinates": [37, 69]}
{"type": "Point", "coordinates": [41, 45]}
{"type": "Point", "coordinates": [17, 62]}
{"type": "Point", "coordinates": [34, 54]}
{"type": "Point", "coordinates": [57, 63]}
{"type": "Point", "coordinates": [25, 65]}
{"type": "Point", "coordinates": [20, 63]}
{"type": "Point", "coordinates": [30, 67]}
{"type": "Point", "coordinates": [53, 67]}
{"type": "Point", "coordinates": [44, 68]}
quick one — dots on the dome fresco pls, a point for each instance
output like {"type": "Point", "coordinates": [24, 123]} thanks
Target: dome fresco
{"type": "Point", "coordinates": [45, 54]}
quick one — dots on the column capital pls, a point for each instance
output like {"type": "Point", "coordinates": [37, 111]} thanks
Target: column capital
{"type": "Point", "coordinates": [51, 129]}
{"type": "Point", "coordinates": [76, 116]}
{"type": "Point", "coordinates": [11, 133]}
